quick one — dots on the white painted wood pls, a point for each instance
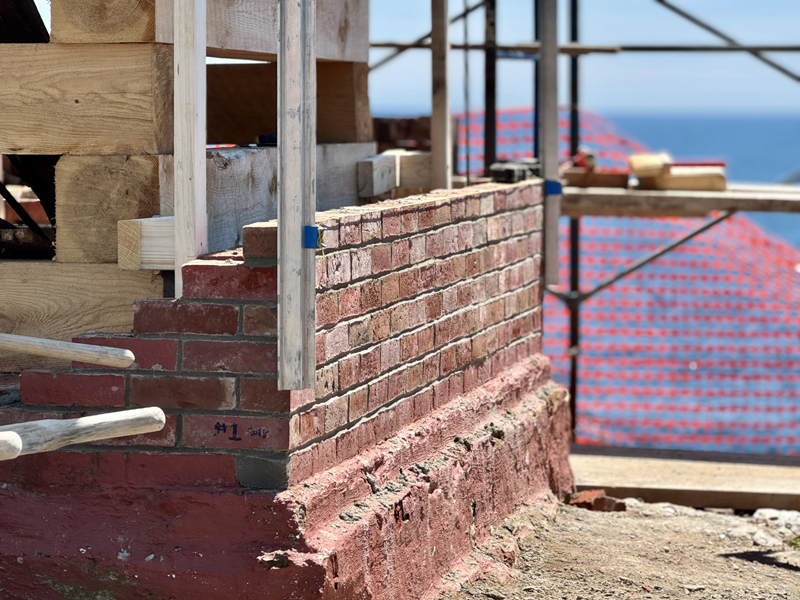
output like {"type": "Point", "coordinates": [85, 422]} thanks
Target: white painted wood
{"type": "Point", "coordinates": [147, 244]}
{"type": "Point", "coordinates": [377, 175]}
{"type": "Point", "coordinates": [190, 134]}
{"type": "Point", "coordinates": [10, 445]}
{"type": "Point", "coordinates": [297, 149]}
{"type": "Point", "coordinates": [548, 131]}
{"type": "Point", "coordinates": [52, 434]}
{"type": "Point", "coordinates": [441, 124]}
{"type": "Point", "coordinates": [96, 355]}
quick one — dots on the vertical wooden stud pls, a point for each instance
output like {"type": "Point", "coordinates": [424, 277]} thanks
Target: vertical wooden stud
{"type": "Point", "coordinates": [548, 133]}
{"type": "Point", "coordinates": [191, 230]}
{"type": "Point", "coordinates": [441, 126]}
{"type": "Point", "coordinates": [297, 144]}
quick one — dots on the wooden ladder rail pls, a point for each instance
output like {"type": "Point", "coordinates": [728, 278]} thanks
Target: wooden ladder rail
{"type": "Point", "coordinates": [96, 355]}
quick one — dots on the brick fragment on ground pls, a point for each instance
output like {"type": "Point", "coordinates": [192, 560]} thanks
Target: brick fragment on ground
{"type": "Point", "coordinates": [597, 500]}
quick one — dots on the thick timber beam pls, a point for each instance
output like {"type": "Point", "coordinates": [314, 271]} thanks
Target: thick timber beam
{"type": "Point", "coordinates": [441, 124]}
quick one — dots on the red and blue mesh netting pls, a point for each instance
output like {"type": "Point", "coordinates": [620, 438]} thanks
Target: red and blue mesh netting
{"type": "Point", "coordinates": [697, 350]}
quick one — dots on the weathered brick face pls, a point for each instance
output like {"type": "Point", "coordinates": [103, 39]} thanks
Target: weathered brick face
{"type": "Point", "coordinates": [419, 300]}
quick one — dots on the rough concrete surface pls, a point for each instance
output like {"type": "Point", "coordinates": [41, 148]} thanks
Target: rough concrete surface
{"type": "Point", "coordinates": [658, 551]}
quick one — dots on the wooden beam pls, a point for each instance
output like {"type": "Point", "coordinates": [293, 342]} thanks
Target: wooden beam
{"type": "Point", "coordinates": [96, 355]}
{"type": "Point", "coordinates": [191, 233]}
{"type": "Point", "coordinates": [337, 173]}
{"type": "Point", "coordinates": [86, 99]}
{"type": "Point", "coordinates": [147, 244]}
{"type": "Point", "coordinates": [241, 29]}
{"type": "Point", "coordinates": [548, 133]}
{"type": "Point", "coordinates": [59, 301]}
{"type": "Point", "coordinates": [441, 125]}
{"type": "Point", "coordinates": [51, 434]}
{"type": "Point", "coordinates": [243, 99]}
{"type": "Point", "coordinates": [297, 146]}
{"type": "Point", "coordinates": [378, 175]}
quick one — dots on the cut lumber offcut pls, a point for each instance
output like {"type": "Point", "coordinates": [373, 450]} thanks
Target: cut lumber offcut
{"type": "Point", "coordinates": [709, 179]}
{"type": "Point", "coordinates": [45, 299]}
{"type": "Point", "coordinates": [378, 175]}
{"type": "Point", "coordinates": [650, 165]}
{"type": "Point", "coordinates": [582, 177]}
{"type": "Point", "coordinates": [146, 244]}
{"type": "Point", "coordinates": [96, 355]}
{"type": "Point", "coordinates": [52, 434]}
{"type": "Point", "coordinates": [414, 168]}
{"type": "Point", "coordinates": [10, 445]}
{"type": "Point", "coordinates": [86, 99]}
{"type": "Point", "coordinates": [240, 29]}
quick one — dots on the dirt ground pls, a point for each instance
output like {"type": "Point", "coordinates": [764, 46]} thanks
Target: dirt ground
{"type": "Point", "coordinates": [651, 551]}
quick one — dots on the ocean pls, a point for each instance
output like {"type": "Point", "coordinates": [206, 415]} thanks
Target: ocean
{"type": "Point", "coordinates": [757, 149]}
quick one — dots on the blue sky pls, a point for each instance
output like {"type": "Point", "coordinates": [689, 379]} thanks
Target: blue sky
{"type": "Point", "coordinates": [610, 84]}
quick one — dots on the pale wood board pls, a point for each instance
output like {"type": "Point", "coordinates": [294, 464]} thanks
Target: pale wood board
{"type": "Point", "coordinates": [97, 355]}
{"type": "Point", "coordinates": [59, 301]}
{"type": "Point", "coordinates": [694, 483]}
{"type": "Point", "coordinates": [378, 175]}
{"type": "Point", "coordinates": [609, 201]}
{"type": "Point", "coordinates": [86, 99]}
{"type": "Point", "coordinates": [92, 194]}
{"type": "Point", "coordinates": [189, 167]}
{"type": "Point", "coordinates": [236, 29]}
{"type": "Point", "coordinates": [147, 244]}
{"type": "Point", "coordinates": [710, 179]}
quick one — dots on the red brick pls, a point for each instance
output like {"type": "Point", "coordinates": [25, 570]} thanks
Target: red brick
{"type": "Point", "coordinates": [215, 393]}
{"type": "Point", "coordinates": [157, 355]}
{"type": "Point", "coordinates": [434, 244]}
{"type": "Point", "coordinates": [358, 403]}
{"type": "Point", "coordinates": [370, 227]}
{"type": "Point", "coordinates": [260, 320]}
{"type": "Point", "coordinates": [456, 383]}
{"type": "Point", "coordinates": [216, 279]}
{"type": "Point", "coordinates": [381, 258]}
{"type": "Point", "coordinates": [263, 395]}
{"type": "Point", "coordinates": [448, 359]}
{"type": "Point", "coordinates": [425, 216]}
{"type": "Point", "coordinates": [427, 277]}
{"type": "Point", "coordinates": [235, 357]}
{"type": "Point", "coordinates": [349, 301]}
{"type": "Point", "coordinates": [377, 393]}
{"type": "Point", "coordinates": [339, 268]}
{"type": "Point", "coordinates": [312, 423]}
{"type": "Point", "coordinates": [431, 367]}
{"type": "Point", "coordinates": [417, 312]}
{"type": "Point", "coordinates": [396, 384]}
{"type": "Point", "coordinates": [392, 222]}
{"type": "Point", "coordinates": [300, 398]}
{"type": "Point", "coordinates": [370, 295]}
{"type": "Point", "coordinates": [346, 445]}
{"type": "Point", "coordinates": [450, 239]}
{"type": "Point", "coordinates": [360, 263]}
{"type": "Point", "coordinates": [320, 272]}
{"type": "Point", "coordinates": [458, 208]}
{"type": "Point", "coordinates": [327, 308]}
{"type": "Point", "coordinates": [166, 438]}
{"type": "Point", "coordinates": [409, 348]}
{"type": "Point", "coordinates": [399, 318]}
{"type": "Point", "coordinates": [337, 341]}
{"type": "Point", "coordinates": [473, 206]}
{"type": "Point", "coordinates": [380, 326]}
{"type": "Point", "coordinates": [319, 343]}
{"type": "Point", "coordinates": [324, 455]}
{"type": "Point", "coordinates": [409, 283]}
{"type": "Point", "coordinates": [330, 233]}
{"type": "Point", "coordinates": [327, 381]}
{"type": "Point", "coordinates": [463, 353]}
{"type": "Point", "coordinates": [335, 414]}
{"type": "Point", "coordinates": [399, 253]}
{"type": "Point", "coordinates": [156, 470]}
{"type": "Point", "coordinates": [414, 376]}
{"type": "Point", "coordinates": [72, 389]}
{"type": "Point", "coordinates": [441, 213]}
{"type": "Point", "coordinates": [349, 230]}
{"type": "Point", "coordinates": [260, 240]}
{"type": "Point", "coordinates": [175, 316]}
{"type": "Point", "coordinates": [360, 332]}
{"type": "Point", "coordinates": [390, 288]}
{"type": "Point", "coordinates": [349, 371]}
{"type": "Point", "coordinates": [390, 354]}
{"type": "Point", "coordinates": [441, 393]}
{"type": "Point", "coordinates": [235, 432]}
{"type": "Point", "coordinates": [423, 403]}
{"type": "Point", "coordinates": [410, 220]}
{"type": "Point", "coordinates": [416, 249]}
{"type": "Point", "coordinates": [371, 363]}
{"type": "Point", "coordinates": [425, 339]}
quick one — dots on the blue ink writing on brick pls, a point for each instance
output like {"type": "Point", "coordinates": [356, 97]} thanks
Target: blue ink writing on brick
{"type": "Point", "coordinates": [233, 437]}
{"type": "Point", "coordinates": [258, 431]}
{"type": "Point", "coordinates": [220, 428]}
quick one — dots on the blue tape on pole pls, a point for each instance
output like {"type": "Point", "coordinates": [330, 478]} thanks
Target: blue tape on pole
{"type": "Point", "coordinates": [552, 188]}
{"type": "Point", "coordinates": [311, 237]}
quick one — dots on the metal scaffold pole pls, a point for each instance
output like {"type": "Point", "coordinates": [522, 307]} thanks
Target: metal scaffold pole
{"type": "Point", "coordinates": [574, 224]}
{"type": "Point", "coordinates": [490, 89]}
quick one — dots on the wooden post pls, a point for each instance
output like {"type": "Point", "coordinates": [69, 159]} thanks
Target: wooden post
{"type": "Point", "coordinates": [297, 144]}
{"type": "Point", "coordinates": [96, 355]}
{"type": "Point", "coordinates": [191, 231]}
{"type": "Point", "coordinates": [441, 127]}
{"type": "Point", "coordinates": [548, 133]}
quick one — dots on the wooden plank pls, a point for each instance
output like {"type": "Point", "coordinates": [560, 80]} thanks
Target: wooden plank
{"type": "Point", "coordinates": [609, 201]}
{"type": "Point", "coordinates": [377, 175]}
{"type": "Point", "coordinates": [711, 179]}
{"type": "Point", "coordinates": [693, 483]}
{"type": "Point", "coordinates": [441, 125]}
{"type": "Point", "coordinates": [51, 434]}
{"type": "Point", "coordinates": [191, 233]}
{"type": "Point", "coordinates": [242, 103]}
{"type": "Point", "coordinates": [86, 99]}
{"type": "Point", "coordinates": [147, 244]}
{"type": "Point", "coordinates": [297, 152]}
{"type": "Point", "coordinates": [96, 355]}
{"type": "Point", "coordinates": [59, 301]}
{"type": "Point", "coordinates": [240, 29]}
{"type": "Point", "coordinates": [548, 131]}
{"type": "Point", "coordinates": [92, 194]}
{"type": "Point", "coordinates": [337, 173]}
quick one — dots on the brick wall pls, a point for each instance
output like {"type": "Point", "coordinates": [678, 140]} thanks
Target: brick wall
{"type": "Point", "coordinates": [419, 300]}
